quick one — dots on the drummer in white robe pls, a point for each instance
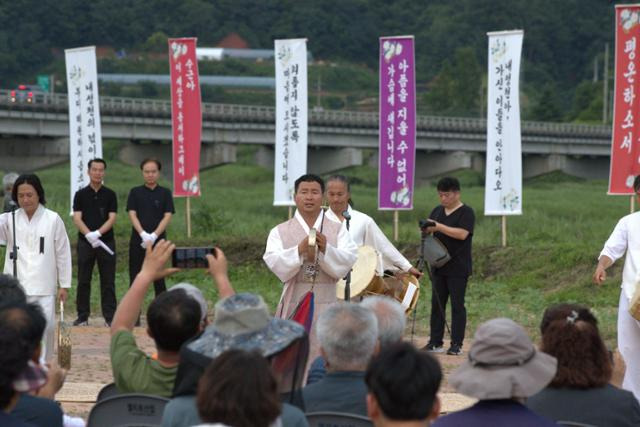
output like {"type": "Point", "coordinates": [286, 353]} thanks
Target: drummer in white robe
{"type": "Point", "coordinates": [363, 229]}
{"type": "Point", "coordinates": [299, 266]}
{"type": "Point", "coordinates": [44, 253]}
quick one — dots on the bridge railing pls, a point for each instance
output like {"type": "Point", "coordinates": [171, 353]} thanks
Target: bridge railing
{"type": "Point", "coordinates": [138, 107]}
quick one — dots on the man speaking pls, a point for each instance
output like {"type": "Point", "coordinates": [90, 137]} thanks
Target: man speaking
{"type": "Point", "coordinates": [303, 266]}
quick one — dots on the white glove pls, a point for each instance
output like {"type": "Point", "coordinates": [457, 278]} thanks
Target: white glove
{"type": "Point", "coordinates": [146, 239]}
{"type": "Point", "coordinates": [95, 243]}
{"type": "Point", "coordinates": [93, 236]}
{"type": "Point", "coordinates": [153, 237]}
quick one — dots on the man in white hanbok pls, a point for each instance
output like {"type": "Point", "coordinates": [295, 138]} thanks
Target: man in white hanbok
{"type": "Point", "coordinates": [363, 229]}
{"type": "Point", "coordinates": [625, 238]}
{"type": "Point", "coordinates": [302, 267]}
{"type": "Point", "coordinates": [44, 253]}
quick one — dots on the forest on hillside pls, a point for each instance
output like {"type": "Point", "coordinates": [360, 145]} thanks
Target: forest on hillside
{"type": "Point", "coordinates": [563, 51]}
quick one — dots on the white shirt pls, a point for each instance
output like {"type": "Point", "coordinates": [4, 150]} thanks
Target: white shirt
{"type": "Point", "coordinates": [626, 238]}
{"type": "Point", "coordinates": [286, 263]}
{"type": "Point", "coordinates": [364, 231]}
{"type": "Point", "coordinates": [44, 253]}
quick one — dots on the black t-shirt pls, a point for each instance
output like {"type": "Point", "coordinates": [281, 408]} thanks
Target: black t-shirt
{"type": "Point", "coordinates": [150, 206]}
{"type": "Point", "coordinates": [95, 207]}
{"type": "Point", "coordinates": [460, 250]}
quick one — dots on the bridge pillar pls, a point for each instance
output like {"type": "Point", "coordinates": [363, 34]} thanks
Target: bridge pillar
{"type": "Point", "coordinates": [430, 164]}
{"type": "Point", "coordinates": [265, 156]}
{"type": "Point", "coordinates": [579, 166]}
{"type": "Point", "coordinates": [324, 160]}
{"type": "Point", "coordinates": [29, 154]}
{"type": "Point", "coordinates": [319, 160]}
{"type": "Point", "coordinates": [210, 154]}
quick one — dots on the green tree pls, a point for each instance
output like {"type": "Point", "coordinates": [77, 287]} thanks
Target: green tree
{"type": "Point", "coordinates": [439, 98]}
{"type": "Point", "coordinates": [547, 108]}
{"type": "Point", "coordinates": [466, 81]}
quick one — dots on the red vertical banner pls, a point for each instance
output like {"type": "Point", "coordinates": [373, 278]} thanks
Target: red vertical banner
{"type": "Point", "coordinates": [625, 150]}
{"type": "Point", "coordinates": [186, 117]}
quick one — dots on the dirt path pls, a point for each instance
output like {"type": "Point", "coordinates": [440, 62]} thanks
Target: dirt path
{"type": "Point", "coordinates": [90, 365]}
{"type": "Point", "coordinates": [91, 368]}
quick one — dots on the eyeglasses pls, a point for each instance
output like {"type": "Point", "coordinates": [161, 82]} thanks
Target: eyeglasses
{"type": "Point", "coordinates": [446, 194]}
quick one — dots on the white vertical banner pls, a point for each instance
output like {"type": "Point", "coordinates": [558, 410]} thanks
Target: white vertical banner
{"type": "Point", "coordinates": [85, 136]}
{"type": "Point", "coordinates": [291, 118]}
{"type": "Point", "coordinates": [503, 182]}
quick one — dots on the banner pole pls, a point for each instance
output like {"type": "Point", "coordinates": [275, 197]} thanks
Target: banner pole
{"type": "Point", "coordinates": [290, 211]}
{"type": "Point", "coordinates": [188, 217]}
{"type": "Point", "coordinates": [395, 225]}
{"type": "Point", "coordinates": [632, 204]}
{"type": "Point", "coordinates": [504, 231]}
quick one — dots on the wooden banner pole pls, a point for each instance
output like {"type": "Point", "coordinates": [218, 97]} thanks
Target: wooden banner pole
{"type": "Point", "coordinates": [395, 225]}
{"type": "Point", "coordinates": [504, 231]}
{"type": "Point", "coordinates": [188, 217]}
{"type": "Point", "coordinates": [290, 212]}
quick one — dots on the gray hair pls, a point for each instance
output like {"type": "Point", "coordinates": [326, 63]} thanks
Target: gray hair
{"type": "Point", "coordinates": [391, 318]}
{"type": "Point", "coordinates": [348, 334]}
{"type": "Point", "coordinates": [8, 180]}
{"type": "Point", "coordinates": [340, 178]}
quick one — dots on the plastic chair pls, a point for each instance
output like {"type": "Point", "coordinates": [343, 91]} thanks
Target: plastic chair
{"type": "Point", "coordinates": [109, 390]}
{"type": "Point", "coordinates": [337, 419]}
{"type": "Point", "coordinates": [128, 410]}
{"type": "Point", "coordinates": [573, 424]}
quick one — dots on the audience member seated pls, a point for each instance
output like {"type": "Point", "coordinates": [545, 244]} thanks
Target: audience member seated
{"type": "Point", "coordinates": [391, 323]}
{"type": "Point", "coordinates": [35, 410]}
{"type": "Point", "coordinates": [580, 391]}
{"type": "Point", "coordinates": [502, 371]}
{"type": "Point", "coordinates": [403, 383]}
{"type": "Point", "coordinates": [239, 390]}
{"type": "Point", "coordinates": [348, 337]}
{"type": "Point", "coordinates": [11, 291]}
{"type": "Point", "coordinates": [195, 293]}
{"type": "Point", "coordinates": [37, 385]}
{"type": "Point", "coordinates": [240, 322]}
{"type": "Point", "coordinates": [15, 353]}
{"type": "Point", "coordinates": [172, 318]}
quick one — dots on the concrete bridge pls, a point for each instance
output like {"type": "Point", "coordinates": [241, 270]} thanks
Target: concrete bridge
{"type": "Point", "coordinates": [35, 135]}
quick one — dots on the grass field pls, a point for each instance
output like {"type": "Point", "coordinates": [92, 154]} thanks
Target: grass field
{"type": "Point", "coordinates": [550, 256]}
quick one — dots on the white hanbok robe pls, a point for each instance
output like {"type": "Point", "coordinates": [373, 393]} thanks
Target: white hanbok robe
{"type": "Point", "coordinates": [44, 260]}
{"type": "Point", "coordinates": [365, 232]}
{"type": "Point", "coordinates": [282, 258]}
{"type": "Point", "coordinates": [625, 238]}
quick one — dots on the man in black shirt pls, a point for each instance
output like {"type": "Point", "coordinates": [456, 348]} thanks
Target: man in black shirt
{"type": "Point", "coordinates": [150, 207]}
{"type": "Point", "coordinates": [454, 223]}
{"type": "Point", "coordinates": [94, 213]}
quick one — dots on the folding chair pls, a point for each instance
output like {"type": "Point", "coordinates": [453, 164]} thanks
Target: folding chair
{"type": "Point", "coordinates": [337, 419]}
{"type": "Point", "coordinates": [109, 390]}
{"type": "Point", "coordinates": [128, 410]}
{"type": "Point", "coordinates": [573, 424]}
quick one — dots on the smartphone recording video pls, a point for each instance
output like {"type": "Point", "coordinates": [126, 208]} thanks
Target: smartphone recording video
{"type": "Point", "coordinates": [191, 257]}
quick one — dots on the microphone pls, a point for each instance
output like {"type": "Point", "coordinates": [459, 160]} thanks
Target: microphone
{"type": "Point", "coordinates": [13, 205]}
{"type": "Point", "coordinates": [346, 215]}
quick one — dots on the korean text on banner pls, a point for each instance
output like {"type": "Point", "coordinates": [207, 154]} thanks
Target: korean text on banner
{"type": "Point", "coordinates": [397, 125]}
{"type": "Point", "coordinates": [85, 136]}
{"type": "Point", "coordinates": [186, 117]}
{"type": "Point", "coordinates": [625, 153]}
{"type": "Point", "coordinates": [291, 118]}
{"type": "Point", "coordinates": [503, 182]}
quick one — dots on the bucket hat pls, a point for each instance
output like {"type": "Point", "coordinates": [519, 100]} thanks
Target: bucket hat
{"type": "Point", "coordinates": [503, 363]}
{"type": "Point", "coordinates": [242, 321]}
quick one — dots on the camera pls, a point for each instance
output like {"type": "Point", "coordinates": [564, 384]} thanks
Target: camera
{"type": "Point", "coordinates": [424, 223]}
{"type": "Point", "coordinates": [191, 257]}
